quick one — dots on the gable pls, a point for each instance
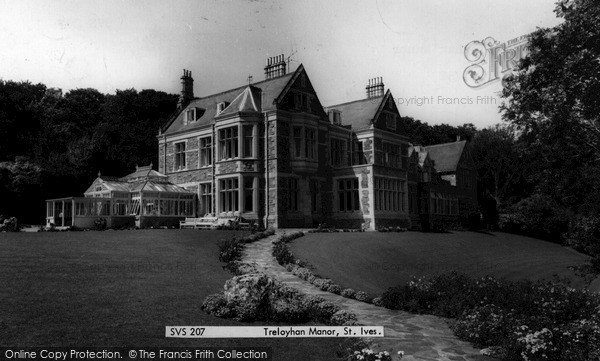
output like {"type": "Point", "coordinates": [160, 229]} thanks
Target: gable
{"type": "Point", "coordinates": [271, 90]}
{"type": "Point", "coordinates": [388, 117]}
{"type": "Point", "coordinates": [300, 95]}
{"type": "Point", "coordinates": [447, 156]}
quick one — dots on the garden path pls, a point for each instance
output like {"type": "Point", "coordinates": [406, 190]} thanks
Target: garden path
{"type": "Point", "coordinates": [421, 337]}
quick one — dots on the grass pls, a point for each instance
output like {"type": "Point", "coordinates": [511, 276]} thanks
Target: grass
{"type": "Point", "coordinates": [373, 262]}
{"type": "Point", "coordinates": [120, 288]}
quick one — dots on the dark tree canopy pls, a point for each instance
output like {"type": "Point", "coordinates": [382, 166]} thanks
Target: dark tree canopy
{"type": "Point", "coordinates": [554, 102]}
{"type": "Point", "coordinates": [53, 145]}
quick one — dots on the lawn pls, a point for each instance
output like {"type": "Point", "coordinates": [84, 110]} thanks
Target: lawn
{"type": "Point", "coordinates": [119, 288]}
{"type": "Point", "coordinates": [373, 262]}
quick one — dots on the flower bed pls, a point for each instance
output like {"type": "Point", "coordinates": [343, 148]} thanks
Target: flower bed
{"type": "Point", "coordinates": [528, 320]}
{"type": "Point", "coordinates": [256, 297]}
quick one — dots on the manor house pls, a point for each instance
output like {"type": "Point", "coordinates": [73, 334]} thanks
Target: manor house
{"type": "Point", "coordinates": [270, 152]}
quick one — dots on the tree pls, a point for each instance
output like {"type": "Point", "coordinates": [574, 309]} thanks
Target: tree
{"type": "Point", "coordinates": [500, 164]}
{"type": "Point", "coordinates": [553, 102]}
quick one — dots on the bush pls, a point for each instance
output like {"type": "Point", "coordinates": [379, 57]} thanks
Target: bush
{"type": "Point", "coordinates": [301, 272]}
{"type": "Point", "coordinates": [217, 305]}
{"type": "Point", "coordinates": [100, 224]}
{"type": "Point", "coordinates": [584, 236]}
{"type": "Point", "coordinates": [320, 309]}
{"type": "Point", "coordinates": [537, 216]}
{"type": "Point", "coordinates": [9, 225]}
{"type": "Point", "coordinates": [349, 293]}
{"type": "Point", "coordinates": [377, 302]}
{"type": "Point", "coordinates": [288, 237]}
{"type": "Point", "coordinates": [488, 325]}
{"type": "Point", "coordinates": [344, 318]}
{"type": "Point", "coordinates": [362, 297]}
{"type": "Point", "coordinates": [333, 288]}
{"type": "Point", "coordinates": [229, 250]}
{"type": "Point", "coordinates": [511, 315]}
{"type": "Point", "coordinates": [282, 254]}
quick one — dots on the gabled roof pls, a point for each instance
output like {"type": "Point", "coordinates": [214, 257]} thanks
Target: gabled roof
{"type": "Point", "coordinates": [143, 179]}
{"type": "Point", "coordinates": [422, 153]}
{"type": "Point", "coordinates": [271, 89]}
{"type": "Point", "coordinates": [248, 101]}
{"type": "Point", "coordinates": [143, 172]}
{"type": "Point", "coordinates": [360, 113]}
{"type": "Point", "coordinates": [447, 155]}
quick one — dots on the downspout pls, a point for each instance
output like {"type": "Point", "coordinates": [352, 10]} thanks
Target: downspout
{"type": "Point", "coordinates": [213, 160]}
{"type": "Point", "coordinates": [266, 169]}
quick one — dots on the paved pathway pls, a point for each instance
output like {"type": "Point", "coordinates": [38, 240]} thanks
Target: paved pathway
{"type": "Point", "coordinates": [421, 337]}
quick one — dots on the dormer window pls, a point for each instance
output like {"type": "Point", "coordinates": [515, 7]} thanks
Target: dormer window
{"type": "Point", "coordinates": [221, 106]}
{"type": "Point", "coordinates": [192, 114]}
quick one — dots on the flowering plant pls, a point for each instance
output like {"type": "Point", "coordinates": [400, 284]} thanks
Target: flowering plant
{"type": "Point", "coordinates": [366, 354]}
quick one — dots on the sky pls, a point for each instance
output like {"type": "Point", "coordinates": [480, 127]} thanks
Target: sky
{"type": "Point", "coordinates": [417, 47]}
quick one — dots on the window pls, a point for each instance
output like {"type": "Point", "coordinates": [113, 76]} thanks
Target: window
{"type": "Point", "coordinates": [348, 153]}
{"type": "Point", "coordinates": [228, 143]}
{"type": "Point", "coordinates": [179, 156]}
{"type": "Point", "coordinates": [310, 143]}
{"type": "Point", "coordinates": [221, 106]}
{"type": "Point", "coordinates": [248, 146]}
{"type": "Point", "coordinates": [348, 195]}
{"type": "Point", "coordinates": [297, 141]}
{"type": "Point", "coordinates": [248, 194]}
{"type": "Point", "coordinates": [391, 155]}
{"type": "Point", "coordinates": [337, 151]}
{"type": "Point", "coordinates": [292, 196]}
{"type": "Point", "coordinates": [389, 195]}
{"type": "Point", "coordinates": [229, 191]}
{"type": "Point", "coordinates": [205, 198]}
{"type": "Point", "coordinates": [358, 156]}
{"type": "Point", "coordinates": [390, 121]}
{"type": "Point", "coordinates": [205, 151]}
{"type": "Point", "coordinates": [190, 115]}
{"type": "Point", "coordinates": [302, 101]}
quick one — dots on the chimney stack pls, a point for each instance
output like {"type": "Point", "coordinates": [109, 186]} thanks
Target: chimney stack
{"type": "Point", "coordinates": [275, 67]}
{"type": "Point", "coordinates": [187, 89]}
{"type": "Point", "coordinates": [375, 88]}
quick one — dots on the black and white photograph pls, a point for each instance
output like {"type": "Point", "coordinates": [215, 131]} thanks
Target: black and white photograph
{"type": "Point", "coordinates": [344, 180]}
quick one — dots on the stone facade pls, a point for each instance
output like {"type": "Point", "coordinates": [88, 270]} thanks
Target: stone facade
{"type": "Point", "coordinates": [270, 152]}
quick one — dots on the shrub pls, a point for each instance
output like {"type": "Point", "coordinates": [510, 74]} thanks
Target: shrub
{"type": "Point", "coordinates": [229, 250]}
{"type": "Point", "coordinates": [217, 305]}
{"type": "Point", "coordinates": [537, 216]}
{"type": "Point", "coordinates": [488, 325]}
{"type": "Point", "coordinates": [9, 225]}
{"type": "Point", "coordinates": [512, 315]}
{"type": "Point", "coordinates": [100, 224]}
{"type": "Point", "coordinates": [349, 293]}
{"type": "Point", "coordinates": [584, 236]}
{"type": "Point", "coordinates": [320, 309]}
{"type": "Point", "coordinates": [355, 350]}
{"type": "Point", "coordinates": [301, 272]}
{"type": "Point", "coordinates": [362, 297]}
{"type": "Point", "coordinates": [343, 318]}
{"type": "Point", "coordinates": [377, 302]}
{"type": "Point", "coordinates": [333, 288]}
{"type": "Point", "coordinates": [288, 237]}
{"type": "Point", "coordinates": [282, 254]}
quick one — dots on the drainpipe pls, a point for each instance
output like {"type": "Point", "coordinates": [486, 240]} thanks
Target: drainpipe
{"type": "Point", "coordinates": [214, 159]}
{"type": "Point", "coordinates": [266, 170]}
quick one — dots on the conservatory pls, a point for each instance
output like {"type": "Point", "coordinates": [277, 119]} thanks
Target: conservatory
{"type": "Point", "coordinates": [142, 199]}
